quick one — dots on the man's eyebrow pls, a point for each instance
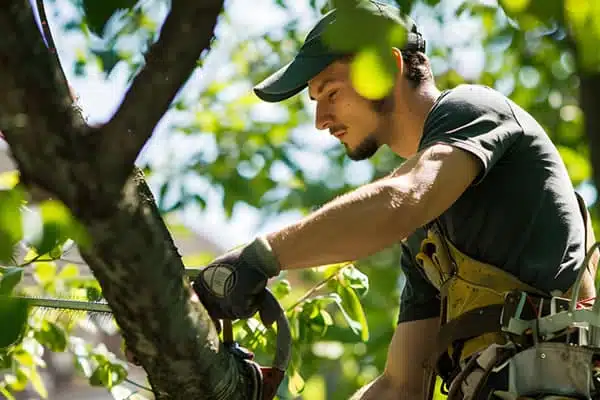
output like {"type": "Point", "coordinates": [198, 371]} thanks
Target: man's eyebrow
{"type": "Point", "coordinates": [321, 87]}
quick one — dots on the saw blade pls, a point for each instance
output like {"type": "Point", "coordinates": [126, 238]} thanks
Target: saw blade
{"type": "Point", "coordinates": [77, 305]}
{"type": "Point", "coordinates": [63, 304]}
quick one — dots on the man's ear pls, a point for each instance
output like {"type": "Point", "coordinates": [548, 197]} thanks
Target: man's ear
{"type": "Point", "coordinates": [397, 54]}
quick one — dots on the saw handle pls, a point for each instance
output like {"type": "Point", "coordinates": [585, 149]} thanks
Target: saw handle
{"type": "Point", "coordinates": [270, 312]}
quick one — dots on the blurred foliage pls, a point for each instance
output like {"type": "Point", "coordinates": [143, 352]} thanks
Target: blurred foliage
{"type": "Point", "coordinates": [263, 156]}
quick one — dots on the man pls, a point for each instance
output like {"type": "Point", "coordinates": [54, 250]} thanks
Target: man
{"type": "Point", "coordinates": [477, 165]}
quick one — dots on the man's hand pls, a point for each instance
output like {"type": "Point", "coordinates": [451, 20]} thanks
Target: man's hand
{"type": "Point", "coordinates": [233, 286]}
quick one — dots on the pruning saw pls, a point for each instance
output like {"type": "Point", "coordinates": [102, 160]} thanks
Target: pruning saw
{"type": "Point", "coordinates": [266, 379]}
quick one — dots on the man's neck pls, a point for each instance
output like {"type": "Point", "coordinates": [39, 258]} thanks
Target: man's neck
{"type": "Point", "coordinates": [413, 109]}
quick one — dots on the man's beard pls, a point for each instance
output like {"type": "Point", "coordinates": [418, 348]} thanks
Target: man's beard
{"type": "Point", "coordinates": [365, 149]}
{"type": "Point", "coordinates": [369, 146]}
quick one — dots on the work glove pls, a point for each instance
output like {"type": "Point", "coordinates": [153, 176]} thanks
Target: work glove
{"type": "Point", "coordinates": [233, 286]}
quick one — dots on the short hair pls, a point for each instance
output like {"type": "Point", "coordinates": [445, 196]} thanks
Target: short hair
{"type": "Point", "coordinates": [416, 66]}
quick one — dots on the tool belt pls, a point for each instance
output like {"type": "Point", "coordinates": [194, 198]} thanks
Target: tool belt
{"type": "Point", "coordinates": [473, 297]}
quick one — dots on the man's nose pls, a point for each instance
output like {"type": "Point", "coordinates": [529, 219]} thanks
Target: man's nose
{"type": "Point", "coordinates": [324, 118]}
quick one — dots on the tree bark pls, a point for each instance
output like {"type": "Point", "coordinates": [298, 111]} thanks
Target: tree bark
{"type": "Point", "coordinates": [130, 250]}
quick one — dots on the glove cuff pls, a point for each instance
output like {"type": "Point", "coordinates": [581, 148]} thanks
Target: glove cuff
{"type": "Point", "coordinates": [259, 252]}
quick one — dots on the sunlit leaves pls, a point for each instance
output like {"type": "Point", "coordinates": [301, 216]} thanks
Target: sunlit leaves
{"type": "Point", "coordinates": [373, 67]}
{"type": "Point", "coordinates": [515, 6]}
{"type": "Point", "coordinates": [372, 73]}
{"type": "Point", "coordinates": [584, 19]}
{"type": "Point", "coordinates": [281, 288]}
{"type": "Point", "coordinates": [249, 152]}
{"type": "Point", "coordinates": [9, 179]}
{"type": "Point", "coordinates": [578, 165]}
{"type": "Point", "coordinates": [97, 13]}
{"type": "Point", "coordinates": [58, 225]}
{"type": "Point", "coordinates": [107, 374]}
{"type": "Point", "coordinates": [51, 336]}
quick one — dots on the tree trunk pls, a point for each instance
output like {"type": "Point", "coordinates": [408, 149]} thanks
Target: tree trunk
{"type": "Point", "coordinates": [589, 101]}
{"type": "Point", "coordinates": [130, 250]}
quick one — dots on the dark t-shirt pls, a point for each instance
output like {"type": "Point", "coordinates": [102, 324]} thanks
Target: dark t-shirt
{"type": "Point", "coordinates": [520, 214]}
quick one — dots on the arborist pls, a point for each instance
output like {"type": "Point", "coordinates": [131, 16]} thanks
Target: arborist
{"type": "Point", "coordinates": [493, 234]}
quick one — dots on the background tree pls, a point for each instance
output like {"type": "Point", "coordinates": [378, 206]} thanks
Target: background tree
{"type": "Point", "coordinates": [254, 156]}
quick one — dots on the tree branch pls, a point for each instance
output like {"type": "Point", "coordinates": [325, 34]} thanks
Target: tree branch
{"type": "Point", "coordinates": [187, 32]}
{"type": "Point", "coordinates": [130, 251]}
{"type": "Point", "coordinates": [36, 103]}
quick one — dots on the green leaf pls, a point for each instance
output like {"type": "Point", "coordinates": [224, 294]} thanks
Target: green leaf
{"type": "Point", "coordinates": [56, 220]}
{"type": "Point", "coordinates": [101, 377]}
{"type": "Point", "coordinates": [515, 6]}
{"type": "Point", "coordinates": [45, 272]}
{"type": "Point", "coordinates": [24, 358]}
{"type": "Point", "coordinates": [18, 381]}
{"type": "Point", "coordinates": [296, 382]}
{"type": "Point", "coordinates": [37, 383]}
{"type": "Point", "coordinates": [9, 179]}
{"type": "Point", "coordinates": [13, 314]}
{"type": "Point", "coordinates": [10, 278]}
{"type": "Point", "coordinates": [69, 271]}
{"type": "Point", "coordinates": [93, 290]}
{"type": "Point", "coordinates": [107, 374]}
{"type": "Point", "coordinates": [11, 230]}
{"type": "Point", "coordinates": [356, 280]}
{"type": "Point", "coordinates": [108, 58]}
{"type": "Point", "coordinates": [4, 391]}
{"type": "Point", "coordinates": [353, 311]}
{"type": "Point", "coordinates": [281, 288]}
{"type": "Point", "coordinates": [58, 226]}
{"type": "Point", "coordinates": [372, 72]}
{"type": "Point", "coordinates": [97, 13]}
{"type": "Point", "coordinates": [51, 336]}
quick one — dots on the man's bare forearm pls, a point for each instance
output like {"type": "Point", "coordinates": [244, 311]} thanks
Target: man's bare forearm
{"type": "Point", "coordinates": [348, 228]}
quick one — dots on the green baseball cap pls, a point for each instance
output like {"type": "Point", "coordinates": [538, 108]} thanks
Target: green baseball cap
{"type": "Point", "coordinates": [314, 55]}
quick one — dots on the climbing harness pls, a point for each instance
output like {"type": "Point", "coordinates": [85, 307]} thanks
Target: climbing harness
{"type": "Point", "coordinates": [491, 322]}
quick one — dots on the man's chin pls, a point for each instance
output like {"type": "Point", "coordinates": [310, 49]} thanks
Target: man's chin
{"type": "Point", "coordinates": [364, 150]}
{"type": "Point", "coordinates": [356, 155]}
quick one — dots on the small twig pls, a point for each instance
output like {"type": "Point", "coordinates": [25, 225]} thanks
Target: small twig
{"type": "Point", "coordinates": [137, 385]}
{"type": "Point", "coordinates": [318, 286]}
{"type": "Point", "coordinates": [169, 63]}
{"type": "Point", "coordinates": [36, 259]}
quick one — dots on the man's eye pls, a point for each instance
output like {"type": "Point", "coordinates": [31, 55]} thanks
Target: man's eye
{"type": "Point", "coordinates": [332, 95]}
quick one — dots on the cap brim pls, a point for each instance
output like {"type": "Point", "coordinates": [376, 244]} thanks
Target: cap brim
{"type": "Point", "coordinates": [292, 78]}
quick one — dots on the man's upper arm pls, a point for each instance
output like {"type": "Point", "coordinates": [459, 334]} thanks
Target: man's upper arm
{"type": "Point", "coordinates": [432, 180]}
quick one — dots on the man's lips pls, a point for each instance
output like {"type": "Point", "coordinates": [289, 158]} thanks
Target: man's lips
{"type": "Point", "coordinates": [339, 134]}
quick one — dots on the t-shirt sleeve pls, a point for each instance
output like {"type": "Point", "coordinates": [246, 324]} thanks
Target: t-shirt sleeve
{"type": "Point", "coordinates": [475, 119]}
{"type": "Point", "coordinates": [419, 298]}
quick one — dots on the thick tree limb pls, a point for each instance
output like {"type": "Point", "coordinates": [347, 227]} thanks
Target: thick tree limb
{"type": "Point", "coordinates": [187, 31]}
{"type": "Point", "coordinates": [130, 252]}
{"type": "Point", "coordinates": [141, 274]}
{"type": "Point", "coordinates": [35, 102]}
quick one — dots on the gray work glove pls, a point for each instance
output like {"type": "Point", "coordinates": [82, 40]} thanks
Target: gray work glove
{"type": "Point", "coordinates": [233, 286]}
